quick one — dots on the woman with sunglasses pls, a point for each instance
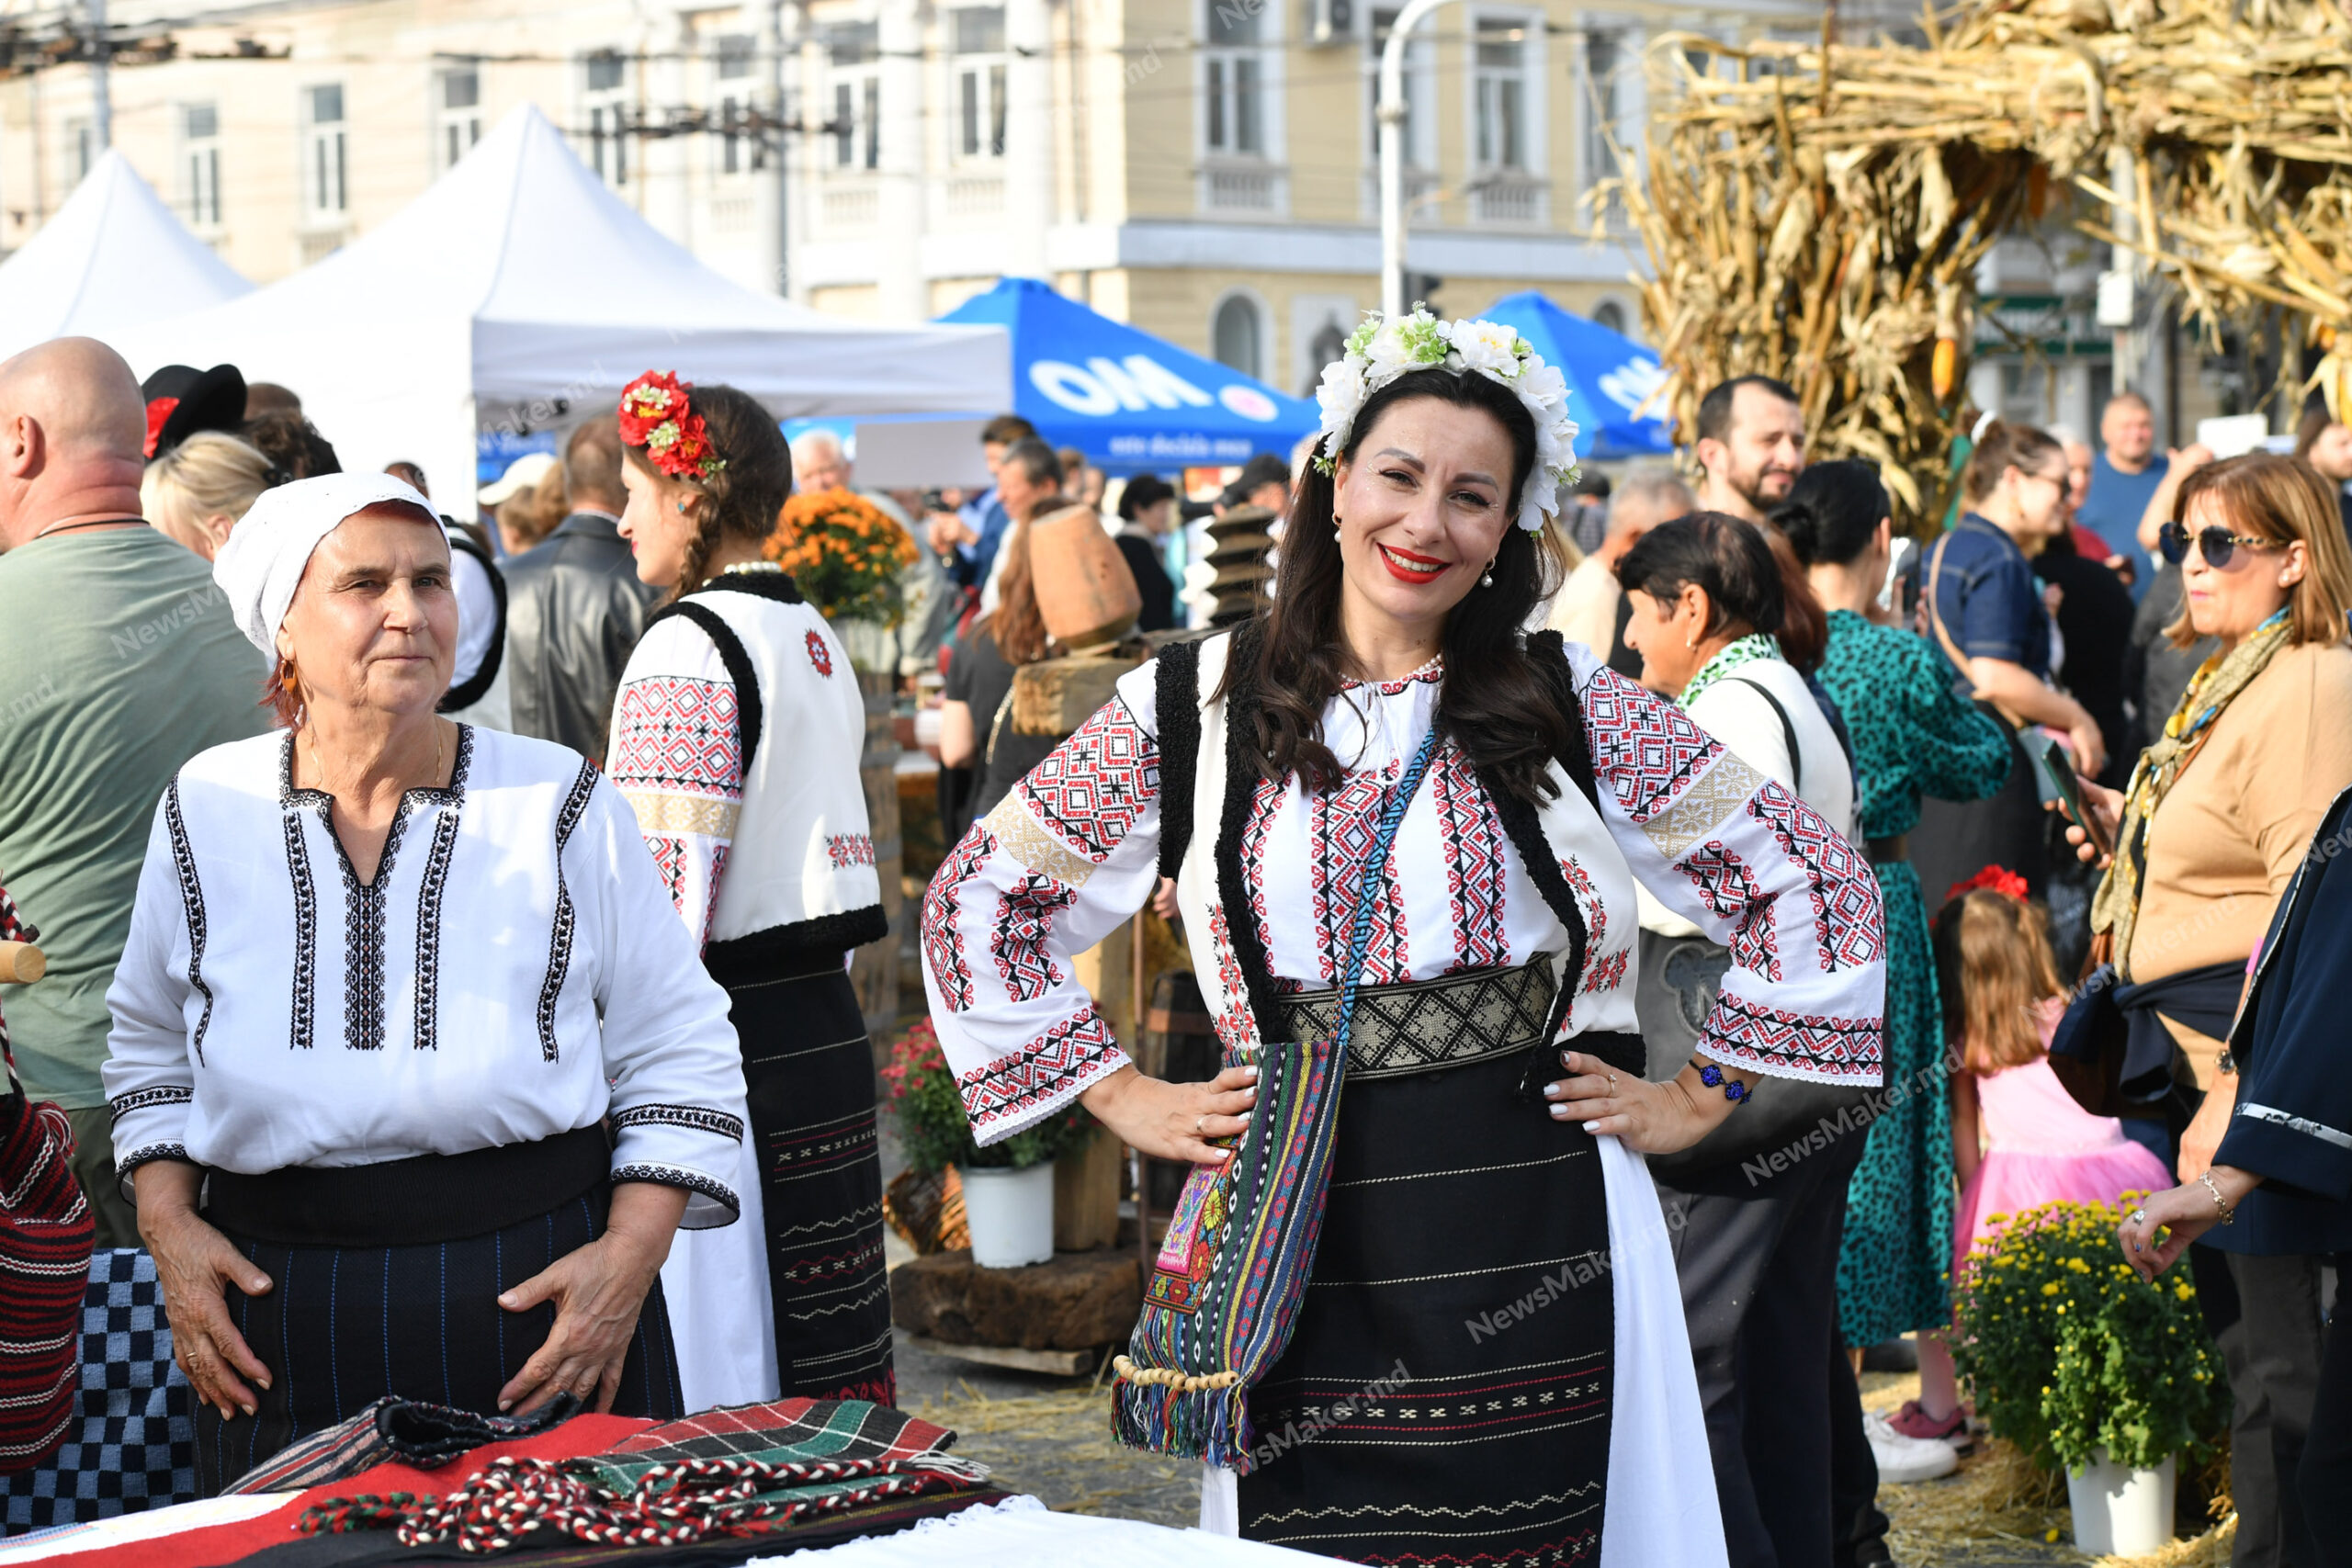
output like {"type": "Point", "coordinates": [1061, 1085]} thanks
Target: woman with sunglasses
{"type": "Point", "coordinates": [2207, 834]}
{"type": "Point", "coordinates": [1984, 610]}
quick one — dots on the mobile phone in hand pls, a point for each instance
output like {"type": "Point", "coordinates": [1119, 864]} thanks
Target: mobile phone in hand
{"type": "Point", "coordinates": [2061, 769]}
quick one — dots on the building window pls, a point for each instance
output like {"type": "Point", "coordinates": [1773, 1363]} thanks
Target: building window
{"type": "Point", "coordinates": [1500, 93]}
{"type": "Point", "coordinates": [81, 150]}
{"type": "Point", "coordinates": [1383, 22]}
{"type": "Point", "coordinates": [733, 58]}
{"type": "Point", "coordinates": [1604, 60]}
{"type": "Point", "coordinates": [1612, 314]}
{"type": "Point", "coordinates": [457, 100]}
{"type": "Point", "coordinates": [200, 164]}
{"type": "Point", "coordinates": [854, 52]}
{"type": "Point", "coordinates": [1235, 80]}
{"type": "Point", "coordinates": [608, 116]}
{"type": "Point", "coordinates": [325, 152]}
{"type": "Point", "coordinates": [1238, 336]}
{"type": "Point", "coordinates": [980, 82]}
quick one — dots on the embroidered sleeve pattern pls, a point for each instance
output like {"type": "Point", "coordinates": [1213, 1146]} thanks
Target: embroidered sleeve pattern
{"type": "Point", "coordinates": [153, 1061]}
{"type": "Point", "coordinates": [678, 761]}
{"type": "Point", "coordinates": [1065, 858]}
{"type": "Point", "coordinates": [1757, 870]}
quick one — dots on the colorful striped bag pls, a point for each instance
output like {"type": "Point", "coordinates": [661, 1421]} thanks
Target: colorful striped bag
{"type": "Point", "coordinates": [1222, 1298]}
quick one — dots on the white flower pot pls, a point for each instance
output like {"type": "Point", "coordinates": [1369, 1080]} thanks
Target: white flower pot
{"type": "Point", "coordinates": [1009, 1214]}
{"type": "Point", "coordinates": [2120, 1512]}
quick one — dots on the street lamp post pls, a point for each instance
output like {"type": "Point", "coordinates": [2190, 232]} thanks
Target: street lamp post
{"type": "Point", "coordinates": [1391, 154]}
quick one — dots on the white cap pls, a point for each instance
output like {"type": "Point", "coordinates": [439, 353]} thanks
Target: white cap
{"type": "Point", "coordinates": [522, 474]}
{"type": "Point", "coordinates": [261, 564]}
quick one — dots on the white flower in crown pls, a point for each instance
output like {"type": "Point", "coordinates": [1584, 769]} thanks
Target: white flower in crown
{"type": "Point", "coordinates": [1381, 350]}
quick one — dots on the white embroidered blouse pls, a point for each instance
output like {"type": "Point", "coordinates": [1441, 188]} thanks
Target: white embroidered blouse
{"type": "Point", "coordinates": [1073, 851]}
{"type": "Point", "coordinates": [785, 853]}
{"type": "Point", "coordinates": [513, 973]}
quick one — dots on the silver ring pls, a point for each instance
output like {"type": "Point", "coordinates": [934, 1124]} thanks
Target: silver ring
{"type": "Point", "coordinates": [1200, 1121]}
{"type": "Point", "coordinates": [2136, 1217]}
{"type": "Point", "coordinates": [1612, 1086]}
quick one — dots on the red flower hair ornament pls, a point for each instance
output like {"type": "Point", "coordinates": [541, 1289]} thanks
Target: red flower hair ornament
{"type": "Point", "coordinates": [1997, 879]}
{"type": "Point", "coordinates": [658, 414]}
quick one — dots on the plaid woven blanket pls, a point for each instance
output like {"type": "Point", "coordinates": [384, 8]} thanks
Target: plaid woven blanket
{"type": "Point", "coordinates": [408, 1430]}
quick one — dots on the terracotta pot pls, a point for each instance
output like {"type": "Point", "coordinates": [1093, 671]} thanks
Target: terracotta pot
{"type": "Point", "coordinates": [1085, 591]}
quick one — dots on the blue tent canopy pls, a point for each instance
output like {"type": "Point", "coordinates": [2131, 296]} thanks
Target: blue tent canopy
{"type": "Point", "coordinates": [1130, 402]}
{"type": "Point", "coordinates": [1608, 376]}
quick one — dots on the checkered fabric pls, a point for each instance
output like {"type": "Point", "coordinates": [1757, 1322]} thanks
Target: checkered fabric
{"type": "Point", "coordinates": [132, 1444]}
{"type": "Point", "coordinates": [787, 1431]}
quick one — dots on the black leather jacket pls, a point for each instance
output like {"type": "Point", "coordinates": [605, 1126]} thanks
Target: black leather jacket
{"type": "Point", "coordinates": [574, 609]}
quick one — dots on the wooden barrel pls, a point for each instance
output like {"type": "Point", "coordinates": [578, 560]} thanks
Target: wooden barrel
{"type": "Point", "coordinates": [1085, 591]}
{"type": "Point", "coordinates": [875, 968]}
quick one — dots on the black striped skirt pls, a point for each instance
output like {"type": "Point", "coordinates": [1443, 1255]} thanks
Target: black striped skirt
{"type": "Point", "coordinates": [342, 1326]}
{"type": "Point", "coordinates": [809, 1073]}
{"type": "Point", "coordinates": [1445, 1397]}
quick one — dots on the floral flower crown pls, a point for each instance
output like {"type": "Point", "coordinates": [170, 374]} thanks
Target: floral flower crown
{"type": "Point", "coordinates": [1382, 349]}
{"type": "Point", "coordinates": [657, 415]}
{"type": "Point", "coordinates": [1994, 878]}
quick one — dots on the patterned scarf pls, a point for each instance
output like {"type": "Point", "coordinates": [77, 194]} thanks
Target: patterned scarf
{"type": "Point", "coordinates": [1730, 657]}
{"type": "Point", "coordinates": [2215, 685]}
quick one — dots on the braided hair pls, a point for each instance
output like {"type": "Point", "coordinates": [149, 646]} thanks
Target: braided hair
{"type": "Point", "coordinates": [744, 498]}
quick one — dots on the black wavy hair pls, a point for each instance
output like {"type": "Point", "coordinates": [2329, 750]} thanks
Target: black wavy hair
{"type": "Point", "coordinates": [1494, 704]}
{"type": "Point", "coordinates": [1832, 511]}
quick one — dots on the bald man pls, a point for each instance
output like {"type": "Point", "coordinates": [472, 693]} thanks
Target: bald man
{"type": "Point", "coordinates": [119, 661]}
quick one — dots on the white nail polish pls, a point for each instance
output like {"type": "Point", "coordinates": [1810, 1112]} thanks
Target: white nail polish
{"type": "Point", "coordinates": [1592, 1126]}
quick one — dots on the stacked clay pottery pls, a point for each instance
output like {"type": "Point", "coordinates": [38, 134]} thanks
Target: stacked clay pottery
{"type": "Point", "coordinates": [1238, 544]}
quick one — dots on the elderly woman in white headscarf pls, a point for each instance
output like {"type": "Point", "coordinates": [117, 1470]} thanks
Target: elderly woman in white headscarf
{"type": "Point", "coordinates": [414, 1073]}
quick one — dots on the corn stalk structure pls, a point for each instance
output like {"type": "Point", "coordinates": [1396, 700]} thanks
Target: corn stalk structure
{"type": "Point", "coordinates": [1816, 210]}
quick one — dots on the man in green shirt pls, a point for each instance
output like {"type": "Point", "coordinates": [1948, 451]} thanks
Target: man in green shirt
{"type": "Point", "coordinates": [119, 661]}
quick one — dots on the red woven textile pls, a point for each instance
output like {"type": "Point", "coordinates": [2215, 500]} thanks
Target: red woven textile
{"type": "Point", "coordinates": [46, 1234]}
{"type": "Point", "coordinates": [222, 1544]}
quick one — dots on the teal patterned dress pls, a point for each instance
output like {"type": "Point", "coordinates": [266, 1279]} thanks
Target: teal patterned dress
{"type": "Point", "coordinates": [1913, 736]}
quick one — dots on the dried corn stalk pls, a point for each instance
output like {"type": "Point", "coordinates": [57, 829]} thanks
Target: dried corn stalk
{"type": "Point", "coordinates": [1826, 227]}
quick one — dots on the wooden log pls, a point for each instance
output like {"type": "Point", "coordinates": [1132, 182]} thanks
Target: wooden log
{"type": "Point", "coordinates": [21, 962]}
{"type": "Point", "coordinates": [1053, 1363]}
{"type": "Point", "coordinates": [1077, 1302]}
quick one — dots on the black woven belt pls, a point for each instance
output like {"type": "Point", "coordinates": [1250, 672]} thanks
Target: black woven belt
{"type": "Point", "coordinates": [1426, 1025]}
{"type": "Point", "coordinates": [1888, 851]}
{"type": "Point", "coordinates": [410, 1202]}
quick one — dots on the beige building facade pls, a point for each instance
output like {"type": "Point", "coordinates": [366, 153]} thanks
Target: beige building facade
{"type": "Point", "coordinates": [1206, 169]}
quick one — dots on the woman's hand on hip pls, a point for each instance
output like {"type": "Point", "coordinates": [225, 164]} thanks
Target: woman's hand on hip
{"type": "Point", "coordinates": [1174, 1120]}
{"type": "Point", "coordinates": [1654, 1117]}
{"type": "Point", "coordinates": [598, 1291]}
{"type": "Point", "coordinates": [194, 1264]}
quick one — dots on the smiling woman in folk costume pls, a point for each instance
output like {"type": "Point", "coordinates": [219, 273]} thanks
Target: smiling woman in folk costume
{"type": "Point", "coordinates": [1437, 1317]}
{"type": "Point", "coordinates": [736, 737]}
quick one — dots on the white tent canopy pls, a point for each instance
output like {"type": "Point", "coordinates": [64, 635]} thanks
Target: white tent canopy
{"type": "Point", "coordinates": [114, 257]}
{"type": "Point", "coordinates": [518, 291]}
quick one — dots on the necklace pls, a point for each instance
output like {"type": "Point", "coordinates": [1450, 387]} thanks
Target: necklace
{"type": "Point", "coordinates": [749, 566]}
{"type": "Point", "coordinates": [87, 522]}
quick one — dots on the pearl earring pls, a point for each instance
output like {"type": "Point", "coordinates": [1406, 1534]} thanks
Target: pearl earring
{"type": "Point", "coordinates": [1487, 578]}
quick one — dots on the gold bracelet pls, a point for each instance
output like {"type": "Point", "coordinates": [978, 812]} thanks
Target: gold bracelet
{"type": "Point", "coordinates": [2229, 1215]}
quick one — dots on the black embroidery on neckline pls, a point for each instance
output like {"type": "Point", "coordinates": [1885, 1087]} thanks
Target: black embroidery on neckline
{"type": "Point", "coordinates": [363, 902]}
{"type": "Point", "coordinates": [192, 902]}
{"type": "Point", "coordinates": [560, 939]}
{"type": "Point", "coordinates": [427, 1034]}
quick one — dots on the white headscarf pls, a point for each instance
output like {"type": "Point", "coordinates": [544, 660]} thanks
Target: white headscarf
{"type": "Point", "coordinates": [261, 564]}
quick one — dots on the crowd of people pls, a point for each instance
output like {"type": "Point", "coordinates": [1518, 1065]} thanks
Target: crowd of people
{"type": "Point", "coordinates": [447, 984]}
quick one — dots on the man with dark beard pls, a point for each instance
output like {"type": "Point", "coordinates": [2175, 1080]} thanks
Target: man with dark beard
{"type": "Point", "coordinates": [1751, 445]}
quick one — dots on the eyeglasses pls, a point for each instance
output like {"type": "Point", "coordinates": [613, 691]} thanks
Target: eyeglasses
{"type": "Point", "coordinates": [2217, 545]}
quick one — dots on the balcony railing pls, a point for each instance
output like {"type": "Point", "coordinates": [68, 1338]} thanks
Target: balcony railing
{"type": "Point", "coordinates": [1248, 188]}
{"type": "Point", "coordinates": [1508, 199]}
{"type": "Point", "coordinates": [846, 204]}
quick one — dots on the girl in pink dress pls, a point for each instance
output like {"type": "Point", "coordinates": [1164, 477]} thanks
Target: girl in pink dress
{"type": "Point", "coordinates": [2018, 1139]}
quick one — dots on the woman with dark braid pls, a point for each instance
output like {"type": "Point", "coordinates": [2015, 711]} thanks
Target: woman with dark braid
{"type": "Point", "coordinates": [764, 847]}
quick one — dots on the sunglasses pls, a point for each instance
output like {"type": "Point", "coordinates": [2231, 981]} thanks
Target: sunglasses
{"type": "Point", "coordinates": [2217, 545]}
